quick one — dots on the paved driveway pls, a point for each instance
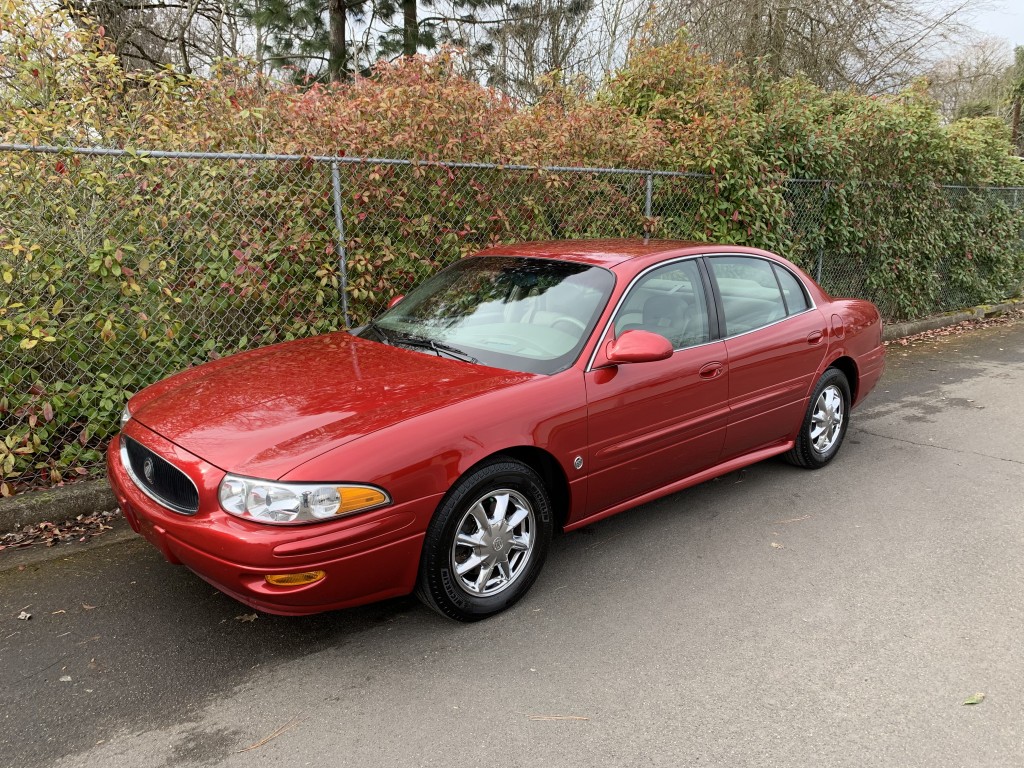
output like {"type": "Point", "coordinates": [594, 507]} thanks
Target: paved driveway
{"type": "Point", "coordinates": [775, 617]}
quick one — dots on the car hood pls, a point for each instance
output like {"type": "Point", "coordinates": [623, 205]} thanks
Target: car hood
{"type": "Point", "coordinates": [265, 412]}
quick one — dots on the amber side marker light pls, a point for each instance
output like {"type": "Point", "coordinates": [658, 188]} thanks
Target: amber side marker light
{"type": "Point", "coordinates": [294, 579]}
{"type": "Point", "coordinates": [354, 499]}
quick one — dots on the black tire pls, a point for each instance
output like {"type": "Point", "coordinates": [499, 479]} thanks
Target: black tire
{"type": "Point", "coordinates": [440, 586]}
{"type": "Point", "coordinates": [804, 452]}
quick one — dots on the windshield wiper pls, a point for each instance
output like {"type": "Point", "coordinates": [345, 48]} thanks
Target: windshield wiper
{"type": "Point", "coordinates": [397, 338]}
{"type": "Point", "coordinates": [439, 348]}
{"type": "Point", "coordinates": [384, 335]}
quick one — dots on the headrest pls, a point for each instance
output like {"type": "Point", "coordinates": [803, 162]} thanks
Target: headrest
{"type": "Point", "coordinates": [664, 311]}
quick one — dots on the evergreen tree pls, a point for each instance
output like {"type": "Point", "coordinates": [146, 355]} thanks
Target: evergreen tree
{"type": "Point", "coordinates": [309, 35]}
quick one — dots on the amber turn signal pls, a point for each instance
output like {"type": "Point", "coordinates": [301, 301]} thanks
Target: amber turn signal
{"type": "Point", "coordinates": [354, 498]}
{"type": "Point", "coordinates": [294, 579]}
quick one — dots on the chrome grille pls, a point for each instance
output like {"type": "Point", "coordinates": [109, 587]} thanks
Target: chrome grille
{"type": "Point", "coordinates": [159, 479]}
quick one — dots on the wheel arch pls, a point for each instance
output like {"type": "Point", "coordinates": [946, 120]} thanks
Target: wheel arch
{"type": "Point", "coordinates": [848, 366]}
{"type": "Point", "coordinates": [545, 465]}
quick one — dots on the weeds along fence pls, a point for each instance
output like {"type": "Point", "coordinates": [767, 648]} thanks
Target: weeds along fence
{"type": "Point", "coordinates": [120, 267]}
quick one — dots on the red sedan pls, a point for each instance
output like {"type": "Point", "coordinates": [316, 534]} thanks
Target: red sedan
{"type": "Point", "coordinates": [526, 388]}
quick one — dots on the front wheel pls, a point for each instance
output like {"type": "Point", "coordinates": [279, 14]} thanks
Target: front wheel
{"type": "Point", "coordinates": [486, 543]}
{"type": "Point", "coordinates": [824, 425]}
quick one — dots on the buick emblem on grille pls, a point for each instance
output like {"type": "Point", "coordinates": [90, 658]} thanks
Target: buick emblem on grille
{"type": "Point", "coordinates": [147, 470]}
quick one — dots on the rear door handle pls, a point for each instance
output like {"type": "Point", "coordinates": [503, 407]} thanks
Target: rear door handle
{"type": "Point", "coordinates": [814, 337]}
{"type": "Point", "coordinates": [712, 370]}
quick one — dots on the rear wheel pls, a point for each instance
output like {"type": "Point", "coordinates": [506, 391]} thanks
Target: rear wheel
{"type": "Point", "coordinates": [486, 543]}
{"type": "Point", "coordinates": [824, 425]}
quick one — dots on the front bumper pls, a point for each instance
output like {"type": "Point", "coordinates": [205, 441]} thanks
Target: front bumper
{"type": "Point", "coordinates": [366, 557]}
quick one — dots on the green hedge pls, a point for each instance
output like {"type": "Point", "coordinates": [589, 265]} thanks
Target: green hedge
{"type": "Point", "coordinates": [116, 271]}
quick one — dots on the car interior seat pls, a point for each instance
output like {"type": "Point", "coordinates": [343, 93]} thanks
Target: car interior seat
{"type": "Point", "coordinates": [666, 315]}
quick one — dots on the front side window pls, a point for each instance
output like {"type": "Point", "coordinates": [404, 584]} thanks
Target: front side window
{"type": "Point", "coordinates": [512, 312]}
{"type": "Point", "coordinates": [669, 301]}
{"type": "Point", "coordinates": [751, 297]}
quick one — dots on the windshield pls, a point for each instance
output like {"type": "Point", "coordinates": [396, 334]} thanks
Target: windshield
{"type": "Point", "coordinates": [512, 312]}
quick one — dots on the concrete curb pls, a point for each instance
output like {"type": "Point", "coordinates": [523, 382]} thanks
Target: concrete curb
{"type": "Point", "coordinates": [899, 330]}
{"type": "Point", "coordinates": [27, 557]}
{"type": "Point", "coordinates": [56, 505]}
{"type": "Point", "coordinates": [88, 497]}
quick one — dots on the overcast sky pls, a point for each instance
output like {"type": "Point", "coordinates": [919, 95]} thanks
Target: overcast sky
{"type": "Point", "coordinates": [1005, 19]}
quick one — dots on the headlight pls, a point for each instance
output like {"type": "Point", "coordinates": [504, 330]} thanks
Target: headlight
{"type": "Point", "coordinates": [291, 503]}
{"type": "Point", "coordinates": [125, 415]}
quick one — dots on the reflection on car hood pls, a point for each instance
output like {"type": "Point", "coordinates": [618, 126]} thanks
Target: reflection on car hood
{"type": "Point", "coordinates": [262, 413]}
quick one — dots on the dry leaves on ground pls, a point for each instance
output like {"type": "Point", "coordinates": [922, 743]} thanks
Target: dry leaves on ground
{"type": "Point", "coordinates": [959, 329]}
{"type": "Point", "coordinates": [82, 528]}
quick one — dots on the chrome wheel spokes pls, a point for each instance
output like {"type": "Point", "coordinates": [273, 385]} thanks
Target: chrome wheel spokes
{"type": "Point", "coordinates": [827, 419]}
{"type": "Point", "coordinates": [493, 542]}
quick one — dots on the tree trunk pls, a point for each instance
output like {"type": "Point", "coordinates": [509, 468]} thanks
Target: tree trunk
{"type": "Point", "coordinates": [1015, 127]}
{"type": "Point", "coordinates": [752, 48]}
{"type": "Point", "coordinates": [338, 52]}
{"type": "Point", "coordinates": [411, 32]}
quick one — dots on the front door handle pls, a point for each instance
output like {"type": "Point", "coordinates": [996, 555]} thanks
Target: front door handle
{"type": "Point", "coordinates": [712, 370]}
{"type": "Point", "coordinates": [814, 337]}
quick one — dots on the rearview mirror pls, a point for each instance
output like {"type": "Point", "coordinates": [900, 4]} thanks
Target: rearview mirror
{"type": "Point", "coordinates": [638, 347]}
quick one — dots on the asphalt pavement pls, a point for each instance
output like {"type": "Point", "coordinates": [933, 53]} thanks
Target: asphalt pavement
{"type": "Point", "coordinates": [774, 617]}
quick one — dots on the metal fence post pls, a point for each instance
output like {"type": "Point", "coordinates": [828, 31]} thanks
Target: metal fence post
{"type": "Point", "coordinates": [339, 224]}
{"type": "Point", "coordinates": [821, 249]}
{"type": "Point", "coordinates": [648, 195]}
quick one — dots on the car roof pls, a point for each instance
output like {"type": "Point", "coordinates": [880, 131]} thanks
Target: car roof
{"type": "Point", "coordinates": [605, 253]}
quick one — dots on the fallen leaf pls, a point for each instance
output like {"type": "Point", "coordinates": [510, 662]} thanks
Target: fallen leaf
{"type": "Point", "coordinates": [1008, 318]}
{"type": "Point", "coordinates": [49, 534]}
{"type": "Point", "coordinates": [88, 607]}
{"type": "Point", "coordinates": [290, 724]}
{"type": "Point", "coordinates": [776, 545]}
{"type": "Point", "coordinates": [247, 617]}
{"type": "Point", "coordinates": [65, 678]}
{"type": "Point", "coordinates": [24, 616]}
{"type": "Point", "coordinates": [975, 699]}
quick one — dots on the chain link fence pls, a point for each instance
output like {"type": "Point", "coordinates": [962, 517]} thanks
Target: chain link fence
{"type": "Point", "coordinates": [118, 268]}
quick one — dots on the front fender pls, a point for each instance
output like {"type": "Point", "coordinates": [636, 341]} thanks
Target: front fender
{"type": "Point", "coordinates": [426, 454]}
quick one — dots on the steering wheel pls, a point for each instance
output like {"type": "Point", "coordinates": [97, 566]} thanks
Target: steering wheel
{"type": "Point", "coordinates": [531, 347]}
{"type": "Point", "coordinates": [570, 321]}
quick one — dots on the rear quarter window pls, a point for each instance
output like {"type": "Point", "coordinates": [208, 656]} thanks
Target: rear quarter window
{"type": "Point", "coordinates": [796, 298]}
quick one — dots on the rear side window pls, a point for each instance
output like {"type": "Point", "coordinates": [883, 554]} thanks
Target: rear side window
{"type": "Point", "coordinates": [796, 299]}
{"type": "Point", "coordinates": [751, 297]}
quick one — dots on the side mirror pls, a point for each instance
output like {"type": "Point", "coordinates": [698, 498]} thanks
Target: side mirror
{"type": "Point", "coordinates": [395, 300]}
{"type": "Point", "coordinates": [638, 347]}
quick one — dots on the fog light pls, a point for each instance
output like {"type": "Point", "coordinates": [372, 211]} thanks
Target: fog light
{"type": "Point", "coordinates": [294, 579]}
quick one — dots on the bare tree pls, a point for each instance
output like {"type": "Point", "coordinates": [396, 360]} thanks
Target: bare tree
{"type": "Point", "coordinates": [186, 34]}
{"type": "Point", "coordinates": [974, 80]}
{"type": "Point", "coordinates": [873, 45]}
{"type": "Point", "coordinates": [615, 24]}
{"type": "Point", "coordinates": [540, 38]}
{"type": "Point", "coordinates": [1016, 97]}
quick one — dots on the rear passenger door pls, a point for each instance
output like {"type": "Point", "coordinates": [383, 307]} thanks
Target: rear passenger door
{"type": "Point", "coordinates": [776, 340]}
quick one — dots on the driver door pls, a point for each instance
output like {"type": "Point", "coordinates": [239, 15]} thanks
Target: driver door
{"type": "Point", "coordinates": [653, 423]}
